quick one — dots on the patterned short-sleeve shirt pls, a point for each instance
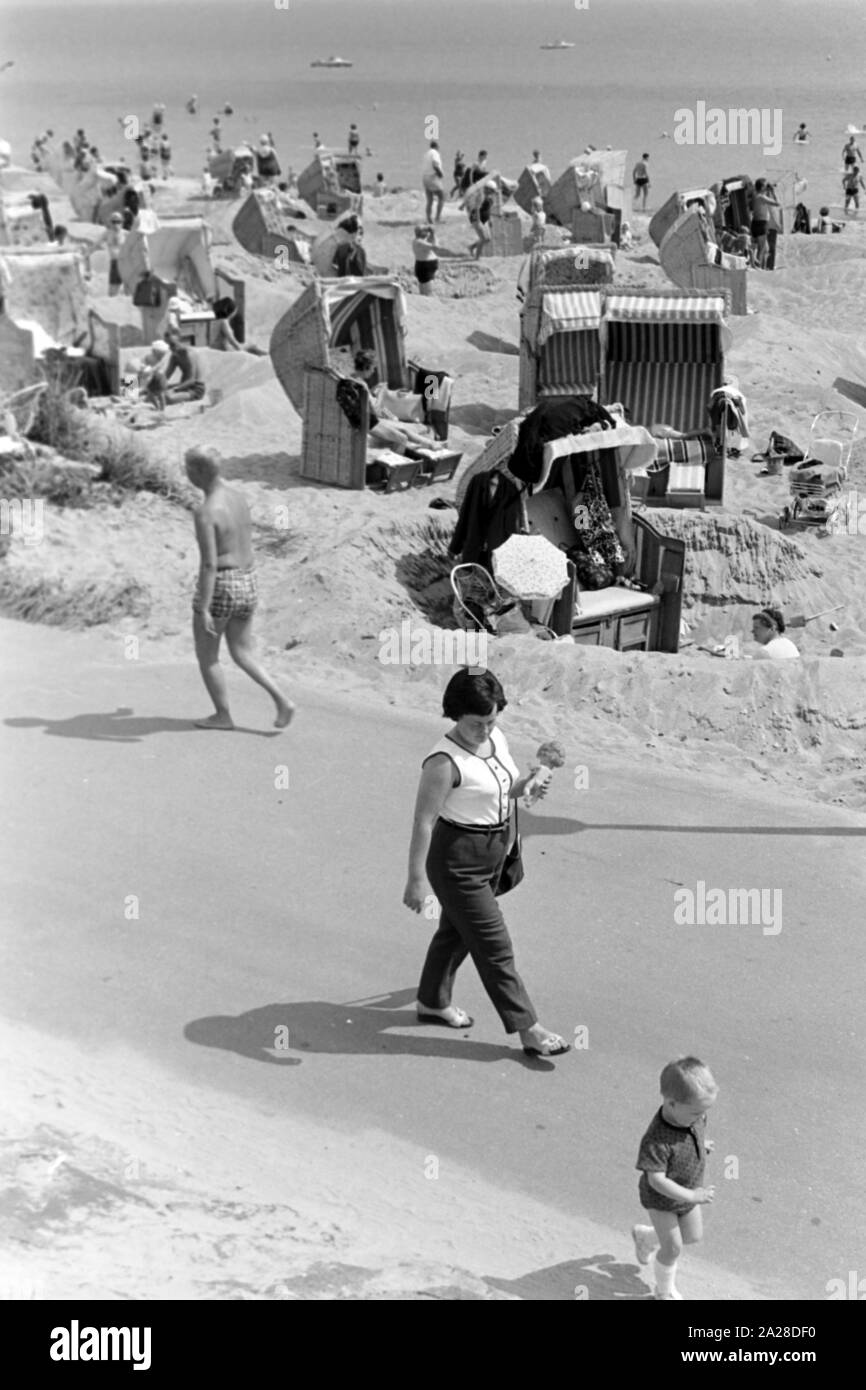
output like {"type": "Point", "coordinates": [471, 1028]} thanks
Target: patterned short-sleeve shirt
{"type": "Point", "coordinates": [678, 1153]}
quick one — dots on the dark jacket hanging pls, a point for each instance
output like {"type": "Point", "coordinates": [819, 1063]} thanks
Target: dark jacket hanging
{"type": "Point", "coordinates": [489, 514]}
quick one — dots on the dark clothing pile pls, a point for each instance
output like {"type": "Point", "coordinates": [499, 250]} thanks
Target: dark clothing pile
{"type": "Point", "coordinates": [551, 419]}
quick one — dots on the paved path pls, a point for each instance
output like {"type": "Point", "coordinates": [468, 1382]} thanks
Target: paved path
{"type": "Point", "coordinates": [263, 908]}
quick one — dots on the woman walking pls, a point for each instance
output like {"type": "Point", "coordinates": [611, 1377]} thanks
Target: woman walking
{"type": "Point", "coordinates": [461, 836]}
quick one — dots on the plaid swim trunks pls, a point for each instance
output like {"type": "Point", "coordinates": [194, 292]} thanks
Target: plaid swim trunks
{"type": "Point", "coordinates": [235, 595]}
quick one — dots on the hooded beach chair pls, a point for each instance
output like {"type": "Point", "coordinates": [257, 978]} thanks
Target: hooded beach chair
{"type": "Point", "coordinates": [663, 355]}
{"type": "Point", "coordinates": [263, 228]}
{"type": "Point", "coordinates": [560, 347]}
{"type": "Point", "coordinates": [599, 179]}
{"type": "Point", "coordinates": [331, 184]}
{"type": "Point", "coordinates": [692, 258]}
{"type": "Point", "coordinates": [312, 349]}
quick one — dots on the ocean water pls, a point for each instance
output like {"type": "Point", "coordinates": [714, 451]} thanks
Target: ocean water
{"type": "Point", "coordinates": [475, 66]}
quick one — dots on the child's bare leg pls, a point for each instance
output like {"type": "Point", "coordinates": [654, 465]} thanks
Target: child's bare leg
{"type": "Point", "coordinates": [239, 634]}
{"type": "Point", "coordinates": [692, 1227]}
{"type": "Point", "coordinates": [207, 647]}
{"type": "Point", "coordinates": [667, 1228]}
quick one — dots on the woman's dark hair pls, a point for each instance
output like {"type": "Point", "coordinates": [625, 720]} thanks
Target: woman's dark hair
{"type": "Point", "coordinates": [771, 617]}
{"type": "Point", "coordinates": [468, 693]}
{"type": "Point", "coordinates": [349, 224]}
{"type": "Point", "coordinates": [365, 358]}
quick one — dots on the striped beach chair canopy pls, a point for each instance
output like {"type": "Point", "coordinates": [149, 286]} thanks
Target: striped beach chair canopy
{"type": "Point", "coordinates": [663, 355]}
{"type": "Point", "coordinates": [562, 327]}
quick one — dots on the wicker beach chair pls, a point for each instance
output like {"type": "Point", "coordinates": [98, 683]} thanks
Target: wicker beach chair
{"type": "Point", "coordinates": [663, 355]}
{"type": "Point", "coordinates": [560, 344]}
{"type": "Point", "coordinates": [318, 335]}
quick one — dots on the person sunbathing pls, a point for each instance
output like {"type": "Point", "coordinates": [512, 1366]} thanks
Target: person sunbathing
{"type": "Point", "coordinates": [384, 427]}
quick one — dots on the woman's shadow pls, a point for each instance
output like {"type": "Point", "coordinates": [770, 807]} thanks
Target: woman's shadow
{"type": "Point", "coordinates": [276, 1033]}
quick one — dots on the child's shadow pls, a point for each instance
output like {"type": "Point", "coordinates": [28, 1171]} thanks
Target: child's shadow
{"type": "Point", "coordinates": [594, 1279]}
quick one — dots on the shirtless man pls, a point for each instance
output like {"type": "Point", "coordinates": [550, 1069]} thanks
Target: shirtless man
{"type": "Point", "coordinates": [183, 359]}
{"type": "Point", "coordinates": [226, 594]}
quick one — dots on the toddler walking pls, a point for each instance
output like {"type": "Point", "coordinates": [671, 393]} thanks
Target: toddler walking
{"type": "Point", "coordinates": [671, 1161]}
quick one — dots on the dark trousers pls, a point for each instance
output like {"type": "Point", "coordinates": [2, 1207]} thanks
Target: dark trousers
{"type": "Point", "coordinates": [463, 867]}
{"type": "Point", "coordinates": [772, 235]}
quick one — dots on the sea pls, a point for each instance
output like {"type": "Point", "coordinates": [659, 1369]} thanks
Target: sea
{"type": "Point", "coordinates": [473, 71]}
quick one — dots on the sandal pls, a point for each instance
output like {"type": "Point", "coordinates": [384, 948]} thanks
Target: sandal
{"type": "Point", "coordinates": [427, 1016]}
{"type": "Point", "coordinates": [554, 1046]}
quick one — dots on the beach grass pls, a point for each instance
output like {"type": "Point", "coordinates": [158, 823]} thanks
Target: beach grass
{"type": "Point", "coordinates": [51, 600]}
{"type": "Point", "coordinates": [122, 459]}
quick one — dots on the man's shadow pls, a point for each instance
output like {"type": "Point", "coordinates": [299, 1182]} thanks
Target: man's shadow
{"type": "Point", "coordinates": [594, 1279]}
{"type": "Point", "coordinates": [122, 726]}
{"type": "Point", "coordinates": [275, 1032]}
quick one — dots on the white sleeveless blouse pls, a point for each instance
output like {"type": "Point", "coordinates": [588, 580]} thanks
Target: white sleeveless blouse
{"type": "Point", "coordinates": [481, 796]}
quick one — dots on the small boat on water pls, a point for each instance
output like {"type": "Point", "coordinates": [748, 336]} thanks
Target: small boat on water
{"type": "Point", "coordinates": [560, 43]}
{"type": "Point", "coordinates": [332, 62]}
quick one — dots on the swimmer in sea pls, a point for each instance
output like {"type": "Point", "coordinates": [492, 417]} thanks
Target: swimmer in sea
{"type": "Point", "coordinates": [801, 136]}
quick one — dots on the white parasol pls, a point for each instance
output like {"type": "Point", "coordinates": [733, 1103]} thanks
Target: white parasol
{"type": "Point", "coordinates": [530, 567]}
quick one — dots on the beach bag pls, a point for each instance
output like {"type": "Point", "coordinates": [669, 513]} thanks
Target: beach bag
{"type": "Point", "coordinates": [513, 871]}
{"type": "Point", "coordinates": [148, 293]}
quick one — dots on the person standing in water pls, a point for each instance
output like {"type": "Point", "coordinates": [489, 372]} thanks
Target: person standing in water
{"type": "Point", "coordinates": [226, 594]}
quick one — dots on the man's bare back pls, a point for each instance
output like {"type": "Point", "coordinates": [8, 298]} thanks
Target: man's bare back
{"type": "Point", "coordinates": [227, 513]}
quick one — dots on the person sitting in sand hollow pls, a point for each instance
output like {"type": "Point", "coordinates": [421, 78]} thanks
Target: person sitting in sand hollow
{"type": "Point", "coordinates": [768, 628]}
{"type": "Point", "coordinates": [226, 594]}
{"type": "Point", "coordinates": [182, 359]}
